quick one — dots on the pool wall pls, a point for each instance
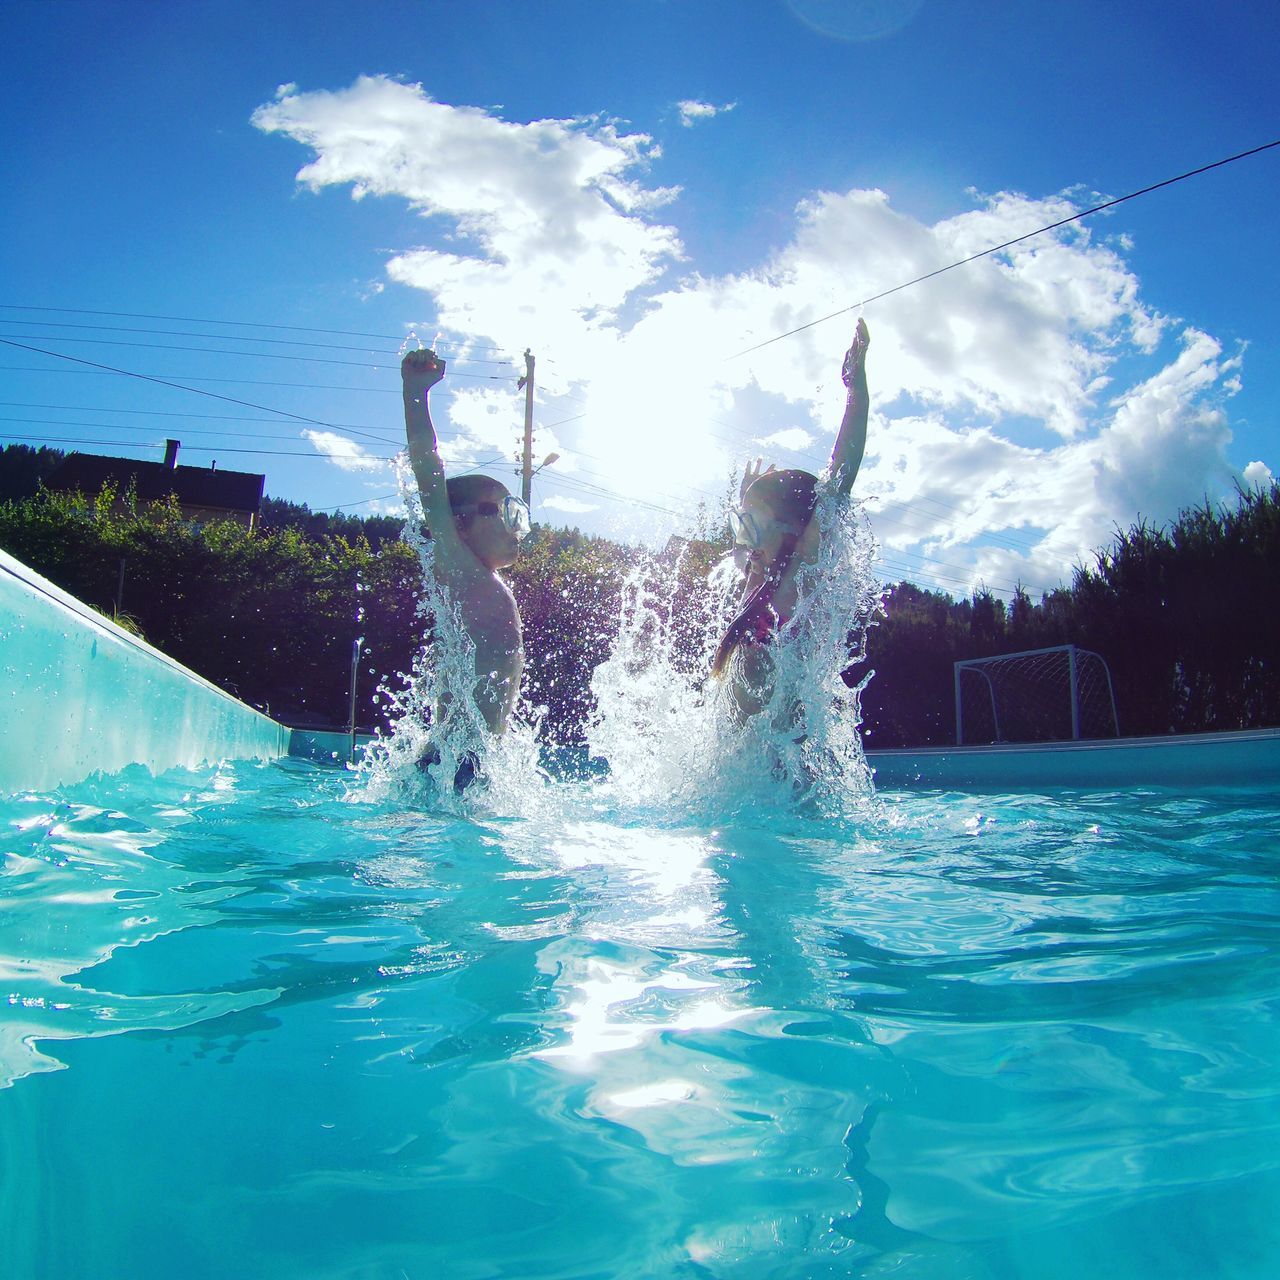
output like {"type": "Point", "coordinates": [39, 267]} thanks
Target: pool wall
{"type": "Point", "coordinates": [1247, 758]}
{"type": "Point", "coordinates": [327, 746]}
{"type": "Point", "coordinates": [1187, 761]}
{"type": "Point", "coordinates": [86, 696]}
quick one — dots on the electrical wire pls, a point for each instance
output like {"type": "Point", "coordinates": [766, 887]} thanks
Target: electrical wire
{"type": "Point", "coordinates": [238, 324]}
{"type": "Point", "coordinates": [1002, 540]}
{"type": "Point", "coordinates": [600, 491]}
{"type": "Point", "coordinates": [222, 337]}
{"type": "Point", "coordinates": [186, 430]}
{"type": "Point", "coordinates": [219, 351]}
{"type": "Point", "coordinates": [195, 448]}
{"type": "Point", "coordinates": [565, 481]}
{"type": "Point", "coordinates": [1008, 244]}
{"type": "Point", "coordinates": [298, 417]}
{"type": "Point", "coordinates": [107, 371]}
{"type": "Point", "coordinates": [1005, 542]}
{"type": "Point", "coordinates": [98, 371]}
{"type": "Point", "coordinates": [167, 413]}
{"type": "Point", "coordinates": [343, 506]}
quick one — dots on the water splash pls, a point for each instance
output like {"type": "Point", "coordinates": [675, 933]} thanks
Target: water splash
{"type": "Point", "coordinates": [436, 731]}
{"type": "Point", "coordinates": [668, 729]}
{"type": "Point", "coordinates": [411, 343]}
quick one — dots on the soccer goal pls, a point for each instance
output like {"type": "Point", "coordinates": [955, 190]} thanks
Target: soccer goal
{"type": "Point", "coordinates": [1039, 695]}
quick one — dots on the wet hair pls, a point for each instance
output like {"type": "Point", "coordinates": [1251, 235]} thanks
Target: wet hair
{"type": "Point", "coordinates": [465, 490]}
{"type": "Point", "coordinates": [788, 496]}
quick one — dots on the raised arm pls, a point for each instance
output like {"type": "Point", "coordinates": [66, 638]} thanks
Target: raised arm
{"type": "Point", "coordinates": [750, 474]}
{"type": "Point", "coordinates": [419, 372]}
{"type": "Point", "coordinates": [851, 442]}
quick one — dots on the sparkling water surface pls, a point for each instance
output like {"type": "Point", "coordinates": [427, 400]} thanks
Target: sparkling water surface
{"type": "Point", "coordinates": [260, 1024]}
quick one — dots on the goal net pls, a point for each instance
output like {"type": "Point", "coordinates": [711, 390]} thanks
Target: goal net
{"type": "Point", "coordinates": [1040, 695]}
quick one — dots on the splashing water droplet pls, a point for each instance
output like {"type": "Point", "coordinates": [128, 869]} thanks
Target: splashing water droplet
{"type": "Point", "coordinates": [668, 728]}
{"type": "Point", "coordinates": [411, 343]}
{"type": "Point", "coordinates": [435, 717]}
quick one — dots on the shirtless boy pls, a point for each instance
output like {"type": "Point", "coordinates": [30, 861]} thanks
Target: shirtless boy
{"type": "Point", "coordinates": [476, 526]}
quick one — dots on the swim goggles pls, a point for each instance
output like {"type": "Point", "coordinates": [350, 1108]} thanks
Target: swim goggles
{"type": "Point", "coordinates": [747, 531]}
{"type": "Point", "coordinates": [515, 515]}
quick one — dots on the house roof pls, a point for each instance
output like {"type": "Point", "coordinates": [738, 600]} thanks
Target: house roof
{"type": "Point", "coordinates": [194, 486]}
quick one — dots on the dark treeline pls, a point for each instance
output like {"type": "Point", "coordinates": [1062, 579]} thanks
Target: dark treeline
{"type": "Point", "coordinates": [279, 513]}
{"type": "Point", "coordinates": [1184, 616]}
{"type": "Point", "coordinates": [269, 615]}
{"type": "Point", "coordinates": [23, 469]}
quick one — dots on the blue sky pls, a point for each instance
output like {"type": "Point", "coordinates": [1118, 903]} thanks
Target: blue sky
{"type": "Point", "coordinates": [637, 192]}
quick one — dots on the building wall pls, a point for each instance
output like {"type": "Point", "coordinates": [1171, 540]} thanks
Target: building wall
{"type": "Point", "coordinates": [207, 515]}
{"type": "Point", "coordinates": [82, 696]}
{"type": "Point", "coordinates": [199, 515]}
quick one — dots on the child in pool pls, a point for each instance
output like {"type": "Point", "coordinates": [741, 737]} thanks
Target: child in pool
{"type": "Point", "coordinates": [775, 536]}
{"type": "Point", "coordinates": [476, 526]}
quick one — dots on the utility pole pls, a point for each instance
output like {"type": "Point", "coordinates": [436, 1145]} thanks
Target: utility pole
{"type": "Point", "coordinates": [526, 464]}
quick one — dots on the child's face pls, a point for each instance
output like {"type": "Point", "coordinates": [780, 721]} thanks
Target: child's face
{"type": "Point", "coordinates": [488, 538]}
{"type": "Point", "coordinates": [760, 537]}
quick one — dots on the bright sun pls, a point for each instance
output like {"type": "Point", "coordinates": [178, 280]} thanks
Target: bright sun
{"type": "Point", "coordinates": [644, 443]}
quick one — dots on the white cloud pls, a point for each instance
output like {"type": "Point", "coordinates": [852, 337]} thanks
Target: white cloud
{"type": "Point", "coordinates": [546, 211]}
{"type": "Point", "coordinates": [691, 111]}
{"type": "Point", "coordinates": [1257, 475]}
{"type": "Point", "coordinates": [1047, 507]}
{"type": "Point", "coordinates": [342, 452]}
{"type": "Point", "coordinates": [571, 506]}
{"type": "Point", "coordinates": [792, 438]}
{"type": "Point", "coordinates": [1024, 404]}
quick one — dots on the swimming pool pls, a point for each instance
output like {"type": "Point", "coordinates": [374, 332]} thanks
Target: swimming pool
{"type": "Point", "coordinates": [260, 1025]}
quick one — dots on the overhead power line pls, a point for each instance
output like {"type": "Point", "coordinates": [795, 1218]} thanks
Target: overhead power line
{"type": "Point", "coordinates": [581, 485]}
{"type": "Point", "coordinates": [231, 324]}
{"type": "Point", "coordinates": [168, 413]}
{"type": "Point", "coordinates": [297, 417]}
{"type": "Point", "coordinates": [996, 248]}
{"type": "Point", "coordinates": [223, 337]}
{"type": "Point", "coordinates": [362, 502]}
{"type": "Point", "coordinates": [194, 448]}
{"type": "Point", "coordinates": [106, 371]}
{"type": "Point", "coordinates": [221, 351]}
{"type": "Point", "coordinates": [187, 432]}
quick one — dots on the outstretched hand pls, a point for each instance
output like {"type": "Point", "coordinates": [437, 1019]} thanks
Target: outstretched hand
{"type": "Point", "coordinates": [750, 474]}
{"type": "Point", "coordinates": [855, 358]}
{"type": "Point", "coordinates": [421, 369]}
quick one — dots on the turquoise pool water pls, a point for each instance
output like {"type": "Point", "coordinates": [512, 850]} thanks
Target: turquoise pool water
{"type": "Point", "coordinates": [255, 1028]}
